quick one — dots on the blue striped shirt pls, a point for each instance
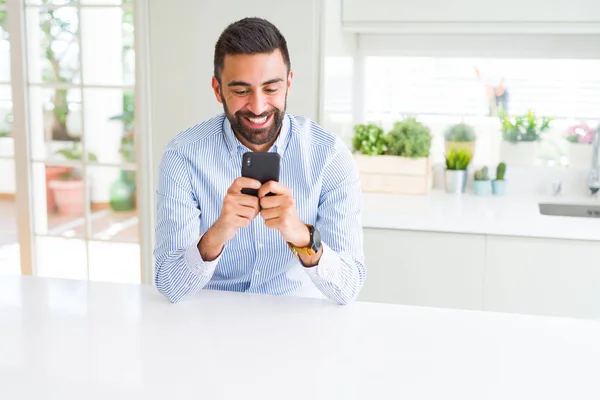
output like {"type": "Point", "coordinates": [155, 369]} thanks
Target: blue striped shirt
{"type": "Point", "coordinates": [198, 166]}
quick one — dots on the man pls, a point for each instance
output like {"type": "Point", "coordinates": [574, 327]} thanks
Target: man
{"type": "Point", "coordinates": [210, 235]}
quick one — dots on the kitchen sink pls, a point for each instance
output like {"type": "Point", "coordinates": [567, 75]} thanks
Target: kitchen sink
{"type": "Point", "coordinates": [570, 210]}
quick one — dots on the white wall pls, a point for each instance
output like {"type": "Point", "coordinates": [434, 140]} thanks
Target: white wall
{"type": "Point", "coordinates": [183, 34]}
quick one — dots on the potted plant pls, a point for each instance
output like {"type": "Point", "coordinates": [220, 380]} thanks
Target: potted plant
{"type": "Point", "coordinates": [499, 184]}
{"type": "Point", "coordinates": [460, 136]}
{"type": "Point", "coordinates": [521, 136]}
{"type": "Point", "coordinates": [457, 162]}
{"type": "Point", "coordinates": [369, 140]}
{"type": "Point", "coordinates": [396, 162]}
{"type": "Point", "coordinates": [580, 146]}
{"type": "Point", "coordinates": [481, 184]}
{"type": "Point", "coordinates": [68, 187]}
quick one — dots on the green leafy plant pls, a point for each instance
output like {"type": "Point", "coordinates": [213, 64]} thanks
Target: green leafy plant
{"type": "Point", "coordinates": [127, 117]}
{"type": "Point", "coordinates": [58, 33]}
{"type": "Point", "coordinates": [523, 128]}
{"type": "Point", "coordinates": [482, 174]}
{"type": "Point", "coordinates": [460, 133]}
{"type": "Point", "coordinates": [458, 159]}
{"type": "Point", "coordinates": [369, 139]}
{"type": "Point", "coordinates": [75, 153]}
{"type": "Point", "coordinates": [500, 171]}
{"type": "Point", "coordinates": [6, 125]}
{"type": "Point", "coordinates": [409, 138]}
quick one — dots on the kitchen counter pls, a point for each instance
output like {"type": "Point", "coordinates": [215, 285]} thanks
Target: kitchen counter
{"type": "Point", "coordinates": [467, 213]}
{"type": "Point", "coordinates": [68, 340]}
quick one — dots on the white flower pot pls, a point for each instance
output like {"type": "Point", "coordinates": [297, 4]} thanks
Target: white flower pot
{"type": "Point", "coordinates": [580, 155]}
{"type": "Point", "coordinates": [522, 153]}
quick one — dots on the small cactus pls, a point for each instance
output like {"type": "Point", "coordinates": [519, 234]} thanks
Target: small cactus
{"type": "Point", "coordinates": [481, 174]}
{"type": "Point", "coordinates": [500, 171]}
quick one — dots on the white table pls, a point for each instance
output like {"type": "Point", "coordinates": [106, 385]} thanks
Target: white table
{"type": "Point", "coordinates": [77, 340]}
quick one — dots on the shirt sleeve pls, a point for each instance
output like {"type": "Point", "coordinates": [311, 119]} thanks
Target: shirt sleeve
{"type": "Point", "coordinates": [340, 273]}
{"type": "Point", "coordinates": [179, 267]}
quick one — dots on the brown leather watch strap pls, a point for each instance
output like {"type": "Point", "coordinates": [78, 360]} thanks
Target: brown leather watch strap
{"type": "Point", "coordinates": [305, 251]}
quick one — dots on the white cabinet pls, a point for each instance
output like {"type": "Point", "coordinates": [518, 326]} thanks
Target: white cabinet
{"type": "Point", "coordinates": [493, 273]}
{"type": "Point", "coordinates": [471, 11]}
{"type": "Point", "coordinates": [424, 268]}
{"type": "Point", "coordinates": [472, 16]}
{"type": "Point", "coordinates": [543, 276]}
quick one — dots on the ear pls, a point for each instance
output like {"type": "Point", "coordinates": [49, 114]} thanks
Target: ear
{"type": "Point", "coordinates": [217, 89]}
{"type": "Point", "coordinates": [289, 80]}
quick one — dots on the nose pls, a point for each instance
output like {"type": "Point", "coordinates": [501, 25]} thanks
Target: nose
{"type": "Point", "coordinates": [257, 103]}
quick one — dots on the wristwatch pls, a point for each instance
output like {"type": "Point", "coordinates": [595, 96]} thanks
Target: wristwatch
{"type": "Point", "coordinates": [313, 246]}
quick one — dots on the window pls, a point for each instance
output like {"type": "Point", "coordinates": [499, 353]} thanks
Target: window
{"type": "Point", "coordinates": [565, 89]}
{"type": "Point", "coordinates": [81, 92]}
{"type": "Point", "coordinates": [446, 90]}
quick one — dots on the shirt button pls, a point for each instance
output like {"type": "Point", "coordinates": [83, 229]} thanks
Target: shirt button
{"type": "Point", "coordinates": [257, 272]}
{"type": "Point", "coordinates": [260, 245]}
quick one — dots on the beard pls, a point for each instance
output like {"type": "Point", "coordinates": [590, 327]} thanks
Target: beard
{"type": "Point", "coordinates": [256, 136]}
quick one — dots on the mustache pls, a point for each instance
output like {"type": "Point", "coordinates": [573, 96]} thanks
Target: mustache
{"type": "Point", "coordinates": [249, 114]}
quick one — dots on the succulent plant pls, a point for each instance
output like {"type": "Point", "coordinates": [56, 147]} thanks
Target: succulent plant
{"type": "Point", "coordinates": [482, 174]}
{"type": "Point", "coordinates": [500, 171]}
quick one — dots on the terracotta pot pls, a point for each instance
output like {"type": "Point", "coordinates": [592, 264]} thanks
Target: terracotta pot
{"type": "Point", "coordinates": [68, 196]}
{"type": "Point", "coordinates": [53, 173]}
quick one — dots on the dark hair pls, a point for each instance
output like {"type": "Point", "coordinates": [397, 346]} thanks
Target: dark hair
{"type": "Point", "coordinates": [249, 36]}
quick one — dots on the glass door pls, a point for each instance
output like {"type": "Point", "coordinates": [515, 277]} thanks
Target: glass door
{"type": "Point", "coordinates": [80, 90]}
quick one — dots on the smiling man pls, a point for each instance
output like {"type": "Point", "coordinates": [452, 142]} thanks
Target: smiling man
{"type": "Point", "coordinates": [306, 238]}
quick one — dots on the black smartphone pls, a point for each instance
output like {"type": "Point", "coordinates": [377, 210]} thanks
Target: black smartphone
{"type": "Point", "coordinates": [262, 166]}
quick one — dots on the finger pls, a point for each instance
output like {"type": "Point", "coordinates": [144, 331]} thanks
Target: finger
{"type": "Point", "coordinates": [273, 187]}
{"type": "Point", "coordinates": [246, 212]}
{"type": "Point", "coordinates": [243, 182]}
{"type": "Point", "coordinates": [271, 213]}
{"type": "Point", "coordinates": [272, 201]}
{"type": "Point", "coordinates": [244, 200]}
{"type": "Point", "coordinates": [273, 223]}
{"type": "Point", "coordinates": [241, 222]}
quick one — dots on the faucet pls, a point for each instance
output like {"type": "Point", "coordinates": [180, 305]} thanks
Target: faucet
{"type": "Point", "coordinates": [594, 177]}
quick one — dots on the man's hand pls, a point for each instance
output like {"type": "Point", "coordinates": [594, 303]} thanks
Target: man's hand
{"type": "Point", "coordinates": [237, 212]}
{"type": "Point", "coordinates": [279, 212]}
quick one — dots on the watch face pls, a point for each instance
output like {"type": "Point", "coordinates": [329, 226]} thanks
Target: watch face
{"type": "Point", "coordinates": [316, 240]}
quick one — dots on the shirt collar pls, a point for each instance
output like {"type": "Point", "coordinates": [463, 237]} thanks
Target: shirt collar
{"type": "Point", "coordinates": [281, 143]}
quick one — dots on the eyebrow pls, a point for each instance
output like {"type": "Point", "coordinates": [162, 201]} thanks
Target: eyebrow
{"type": "Point", "coordinates": [242, 83]}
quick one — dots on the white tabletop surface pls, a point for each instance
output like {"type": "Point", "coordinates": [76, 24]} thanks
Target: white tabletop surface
{"type": "Point", "coordinates": [466, 213]}
{"type": "Point", "coordinates": [77, 340]}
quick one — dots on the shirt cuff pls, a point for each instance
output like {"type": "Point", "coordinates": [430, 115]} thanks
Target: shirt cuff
{"type": "Point", "coordinates": [327, 266]}
{"type": "Point", "coordinates": [196, 264]}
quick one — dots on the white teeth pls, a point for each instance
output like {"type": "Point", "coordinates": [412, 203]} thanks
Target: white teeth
{"type": "Point", "coordinates": [258, 120]}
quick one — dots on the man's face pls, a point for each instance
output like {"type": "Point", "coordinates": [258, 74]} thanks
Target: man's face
{"type": "Point", "coordinates": [253, 91]}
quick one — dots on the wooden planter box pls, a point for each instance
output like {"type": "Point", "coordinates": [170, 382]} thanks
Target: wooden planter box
{"type": "Point", "coordinates": [391, 174]}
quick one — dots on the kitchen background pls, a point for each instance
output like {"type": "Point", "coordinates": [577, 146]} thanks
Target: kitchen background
{"type": "Point", "coordinates": [464, 117]}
